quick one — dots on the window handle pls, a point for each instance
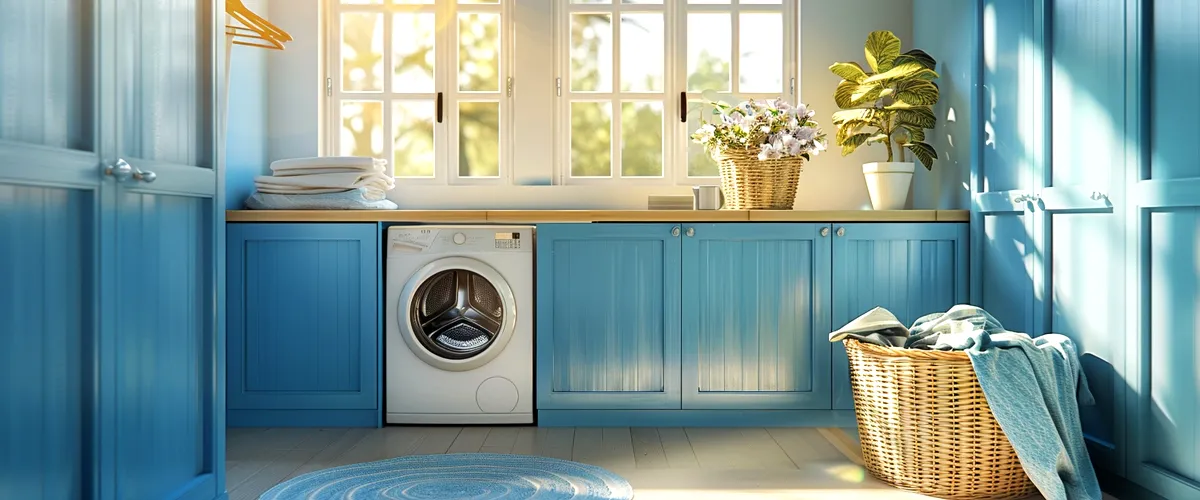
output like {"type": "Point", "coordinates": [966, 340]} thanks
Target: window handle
{"type": "Point", "coordinates": [439, 107]}
{"type": "Point", "coordinates": [683, 107]}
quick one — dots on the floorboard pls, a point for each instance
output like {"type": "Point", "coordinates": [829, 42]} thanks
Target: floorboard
{"type": "Point", "coordinates": [662, 463]}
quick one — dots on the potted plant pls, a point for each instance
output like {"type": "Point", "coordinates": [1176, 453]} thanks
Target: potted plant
{"type": "Point", "coordinates": [889, 103]}
{"type": "Point", "coordinates": [760, 148]}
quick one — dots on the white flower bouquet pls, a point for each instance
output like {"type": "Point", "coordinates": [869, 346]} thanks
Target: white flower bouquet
{"type": "Point", "coordinates": [773, 129]}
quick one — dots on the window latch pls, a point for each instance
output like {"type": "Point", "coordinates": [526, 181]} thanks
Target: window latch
{"type": "Point", "coordinates": [558, 86]}
{"type": "Point", "coordinates": [509, 84]}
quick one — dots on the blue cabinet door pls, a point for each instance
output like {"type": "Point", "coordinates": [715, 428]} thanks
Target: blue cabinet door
{"type": "Point", "coordinates": [303, 327]}
{"type": "Point", "coordinates": [608, 302]}
{"type": "Point", "coordinates": [1163, 371]}
{"type": "Point", "coordinates": [908, 269]}
{"type": "Point", "coordinates": [756, 316]}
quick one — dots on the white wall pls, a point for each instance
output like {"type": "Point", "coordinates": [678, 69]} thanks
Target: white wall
{"type": "Point", "coordinates": [830, 31]}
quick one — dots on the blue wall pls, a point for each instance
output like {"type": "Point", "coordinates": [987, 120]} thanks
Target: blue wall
{"type": "Point", "coordinates": [246, 149]}
{"type": "Point", "coordinates": [947, 30]}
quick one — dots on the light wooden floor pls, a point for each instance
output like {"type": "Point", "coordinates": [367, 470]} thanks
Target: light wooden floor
{"type": "Point", "coordinates": [660, 463]}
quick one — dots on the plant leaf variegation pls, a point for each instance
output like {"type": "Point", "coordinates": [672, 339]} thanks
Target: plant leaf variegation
{"type": "Point", "coordinates": [890, 102]}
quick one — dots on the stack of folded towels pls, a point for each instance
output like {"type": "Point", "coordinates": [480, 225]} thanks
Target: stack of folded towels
{"type": "Point", "coordinates": [340, 182]}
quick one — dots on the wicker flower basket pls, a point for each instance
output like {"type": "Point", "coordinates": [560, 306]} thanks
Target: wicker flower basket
{"type": "Point", "coordinates": [926, 427]}
{"type": "Point", "coordinates": [749, 183]}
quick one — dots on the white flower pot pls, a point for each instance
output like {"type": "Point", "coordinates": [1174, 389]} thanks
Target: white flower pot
{"type": "Point", "coordinates": [887, 183]}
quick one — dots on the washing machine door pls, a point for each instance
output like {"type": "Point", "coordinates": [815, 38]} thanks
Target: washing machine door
{"type": "Point", "coordinates": [457, 313]}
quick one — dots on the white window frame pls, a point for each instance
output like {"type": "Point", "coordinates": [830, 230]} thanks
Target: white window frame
{"type": "Point", "coordinates": [675, 134]}
{"type": "Point", "coordinates": [446, 140]}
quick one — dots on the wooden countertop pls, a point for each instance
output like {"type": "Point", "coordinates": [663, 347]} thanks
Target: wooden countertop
{"type": "Point", "coordinates": [535, 216]}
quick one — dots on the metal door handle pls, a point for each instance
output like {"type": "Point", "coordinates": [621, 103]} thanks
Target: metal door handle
{"type": "Point", "coordinates": [691, 232]}
{"type": "Point", "coordinates": [145, 176]}
{"type": "Point", "coordinates": [824, 232]}
{"type": "Point", "coordinates": [675, 231]}
{"type": "Point", "coordinates": [120, 170]}
{"type": "Point", "coordinates": [841, 231]}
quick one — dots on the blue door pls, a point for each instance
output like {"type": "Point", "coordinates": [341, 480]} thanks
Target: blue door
{"type": "Point", "coordinates": [608, 302]}
{"type": "Point", "coordinates": [161, 397]}
{"type": "Point", "coordinates": [756, 316]}
{"type": "Point", "coordinates": [112, 338]}
{"type": "Point", "coordinates": [909, 269]}
{"type": "Point", "coordinates": [50, 192]}
{"type": "Point", "coordinates": [1081, 206]}
{"type": "Point", "coordinates": [1164, 351]}
{"type": "Point", "coordinates": [1006, 256]}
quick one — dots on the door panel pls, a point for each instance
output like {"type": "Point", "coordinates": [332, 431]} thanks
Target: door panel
{"type": "Point", "coordinates": [755, 316]}
{"type": "Point", "coordinates": [46, 81]}
{"type": "Point", "coordinates": [1164, 397]}
{"type": "Point", "coordinates": [608, 316]}
{"type": "Point", "coordinates": [1006, 255]}
{"type": "Point", "coordinates": [909, 269]}
{"type": "Point", "coordinates": [163, 356]}
{"type": "Point", "coordinates": [1082, 210]}
{"type": "Point", "coordinates": [46, 326]}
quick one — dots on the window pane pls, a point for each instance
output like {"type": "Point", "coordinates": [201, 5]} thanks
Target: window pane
{"type": "Point", "coordinates": [479, 139]}
{"type": "Point", "coordinates": [591, 139]}
{"type": "Point", "coordinates": [361, 2]}
{"type": "Point", "coordinates": [761, 45]}
{"type": "Point", "coordinates": [362, 51]}
{"type": "Point", "coordinates": [412, 52]}
{"type": "Point", "coordinates": [763, 2]}
{"type": "Point", "coordinates": [726, 2]}
{"type": "Point", "coordinates": [479, 52]}
{"type": "Point", "coordinates": [700, 164]}
{"type": "Point", "coordinates": [479, 1]}
{"type": "Point", "coordinates": [642, 52]}
{"type": "Point", "coordinates": [642, 139]}
{"type": "Point", "coordinates": [412, 138]}
{"type": "Point", "coordinates": [591, 1]}
{"type": "Point", "coordinates": [591, 52]}
{"type": "Point", "coordinates": [709, 50]}
{"type": "Point", "coordinates": [411, 1]}
{"type": "Point", "coordinates": [656, 2]}
{"type": "Point", "coordinates": [362, 129]}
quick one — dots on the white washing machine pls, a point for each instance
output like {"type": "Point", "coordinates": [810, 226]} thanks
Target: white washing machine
{"type": "Point", "coordinates": [459, 324]}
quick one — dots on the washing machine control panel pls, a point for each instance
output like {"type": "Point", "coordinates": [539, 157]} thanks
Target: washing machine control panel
{"type": "Point", "coordinates": [408, 240]}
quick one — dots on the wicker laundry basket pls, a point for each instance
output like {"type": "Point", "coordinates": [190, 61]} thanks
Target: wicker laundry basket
{"type": "Point", "coordinates": [749, 183]}
{"type": "Point", "coordinates": [925, 426]}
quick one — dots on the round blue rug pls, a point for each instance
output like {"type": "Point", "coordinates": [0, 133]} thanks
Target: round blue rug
{"type": "Point", "coordinates": [474, 476]}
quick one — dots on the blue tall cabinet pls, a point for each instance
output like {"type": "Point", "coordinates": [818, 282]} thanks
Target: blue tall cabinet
{"type": "Point", "coordinates": [111, 351]}
{"type": "Point", "coordinates": [722, 324]}
{"type": "Point", "coordinates": [1087, 210]}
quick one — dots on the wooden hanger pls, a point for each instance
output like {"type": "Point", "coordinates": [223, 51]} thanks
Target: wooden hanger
{"type": "Point", "coordinates": [255, 31]}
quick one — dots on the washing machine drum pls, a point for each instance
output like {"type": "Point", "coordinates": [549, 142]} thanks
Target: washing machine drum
{"type": "Point", "coordinates": [456, 314]}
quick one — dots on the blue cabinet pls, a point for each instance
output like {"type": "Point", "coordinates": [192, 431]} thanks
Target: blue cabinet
{"type": "Point", "coordinates": [303, 324]}
{"type": "Point", "coordinates": [608, 316]}
{"type": "Point", "coordinates": [756, 316]}
{"type": "Point", "coordinates": [908, 269]}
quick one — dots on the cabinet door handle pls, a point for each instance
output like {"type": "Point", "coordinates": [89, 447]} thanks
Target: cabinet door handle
{"type": "Point", "coordinates": [691, 232]}
{"type": "Point", "coordinates": [824, 232]}
{"type": "Point", "coordinates": [841, 231]}
{"type": "Point", "coordinates": [675, 231]}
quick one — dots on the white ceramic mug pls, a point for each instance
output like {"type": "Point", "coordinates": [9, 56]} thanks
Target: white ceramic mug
{"type": "Point", "coordinates": [707, 198]}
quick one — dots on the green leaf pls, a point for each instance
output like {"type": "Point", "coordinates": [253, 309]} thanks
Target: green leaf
{"type": "Point", "coordinates": [849, 144]}
{"type": "Point", "coordinates": [842, 96]}
{"type": "Point", "coordinates": [881, 49]}
{"type": "Point", "coordinates": [851, 115]}
{"type": "Point", "coordinates": [905, 70]}
{"type": "Point", "coordinates": [918, 93]}
{"type": "Point", "coordinates": [923, 152]}
{"type": "Point", "coordinates": [915, 132]}
{"type": "Point", "coordinates": [918, 56]}
{"type": "Point", "coordinates": [878, 138]}
{"type": "Point", "coordinates": [866, 93]}
{"type": "Point", "coordinates": [850, 71]}
{"type": "Point", "coordinates": [921, 116]}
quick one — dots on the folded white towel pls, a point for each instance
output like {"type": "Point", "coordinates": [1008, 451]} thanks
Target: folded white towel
{"type": "Point", "coordinates": [352, 162]}
{"type": "Point", "coordinates": [281, 190]}
{"type": "Point", "coordinates": [348, 180]}
{"type": "Point", "coordinates": [328, 170]}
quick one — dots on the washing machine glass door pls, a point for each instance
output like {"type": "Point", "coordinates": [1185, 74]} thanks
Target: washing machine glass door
{"type": "Point", "coordinates": [459, 313]}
